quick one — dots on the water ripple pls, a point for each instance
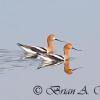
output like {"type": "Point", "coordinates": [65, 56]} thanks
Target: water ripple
{"type": "Point", "coordinates": [10, 60]}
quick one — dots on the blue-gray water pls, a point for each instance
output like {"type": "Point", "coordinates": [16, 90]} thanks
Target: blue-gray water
{"type": "Point", "coordinates": [29, 22]}
{"type": "Point", "coordinates": [10, 60]}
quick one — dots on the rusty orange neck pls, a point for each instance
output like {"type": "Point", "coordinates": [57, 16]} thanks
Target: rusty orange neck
{"type": "Point", "coordinates": [67, 67]}
{"type": "Point", "coordinates": [50, 47]}
{"type": "Point", "coordinates": [66, 54]}
{"type": "Point", "coordinates": [66, 62]}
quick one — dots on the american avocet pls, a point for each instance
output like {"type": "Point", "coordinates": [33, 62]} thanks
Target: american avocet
{"type": "Point", "coordinates": [54, 59]}
{"type": "Point", "coordinates": [33, 51]}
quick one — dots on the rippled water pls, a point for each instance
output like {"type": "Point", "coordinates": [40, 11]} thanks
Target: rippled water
{"type": "Point", "coordinates": [10, 60]}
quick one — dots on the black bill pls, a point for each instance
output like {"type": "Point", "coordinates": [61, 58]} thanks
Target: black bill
{"type": "Point", "coordinates": [76, 49]}
{"type": "Point", "coordinates": [76, 68]}
{"type": "Point", "coordinates": [59, 40]}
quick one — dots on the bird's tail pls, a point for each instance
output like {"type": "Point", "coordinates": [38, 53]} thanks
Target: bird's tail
{"type": "Point", "coordinates": [19, 44]}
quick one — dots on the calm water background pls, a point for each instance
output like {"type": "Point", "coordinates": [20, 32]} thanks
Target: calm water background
{"type": "Point", "coordinates": [29, 22]}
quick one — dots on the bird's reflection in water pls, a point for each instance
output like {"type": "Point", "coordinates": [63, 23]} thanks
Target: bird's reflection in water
{"type": "Point", "coordinates": [10, 60]}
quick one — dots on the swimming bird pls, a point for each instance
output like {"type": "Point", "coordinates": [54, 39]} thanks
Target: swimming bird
{"type": "Point", "coordinates": [34, 51]}
{"type": "Point", "coordinates": [55, 59]}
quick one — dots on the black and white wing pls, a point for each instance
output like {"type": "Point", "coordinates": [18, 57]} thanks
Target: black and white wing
{"type": "Point", "coordinates": [32, 49]}
{"type": "Point", "coordinates": [50, 60]}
